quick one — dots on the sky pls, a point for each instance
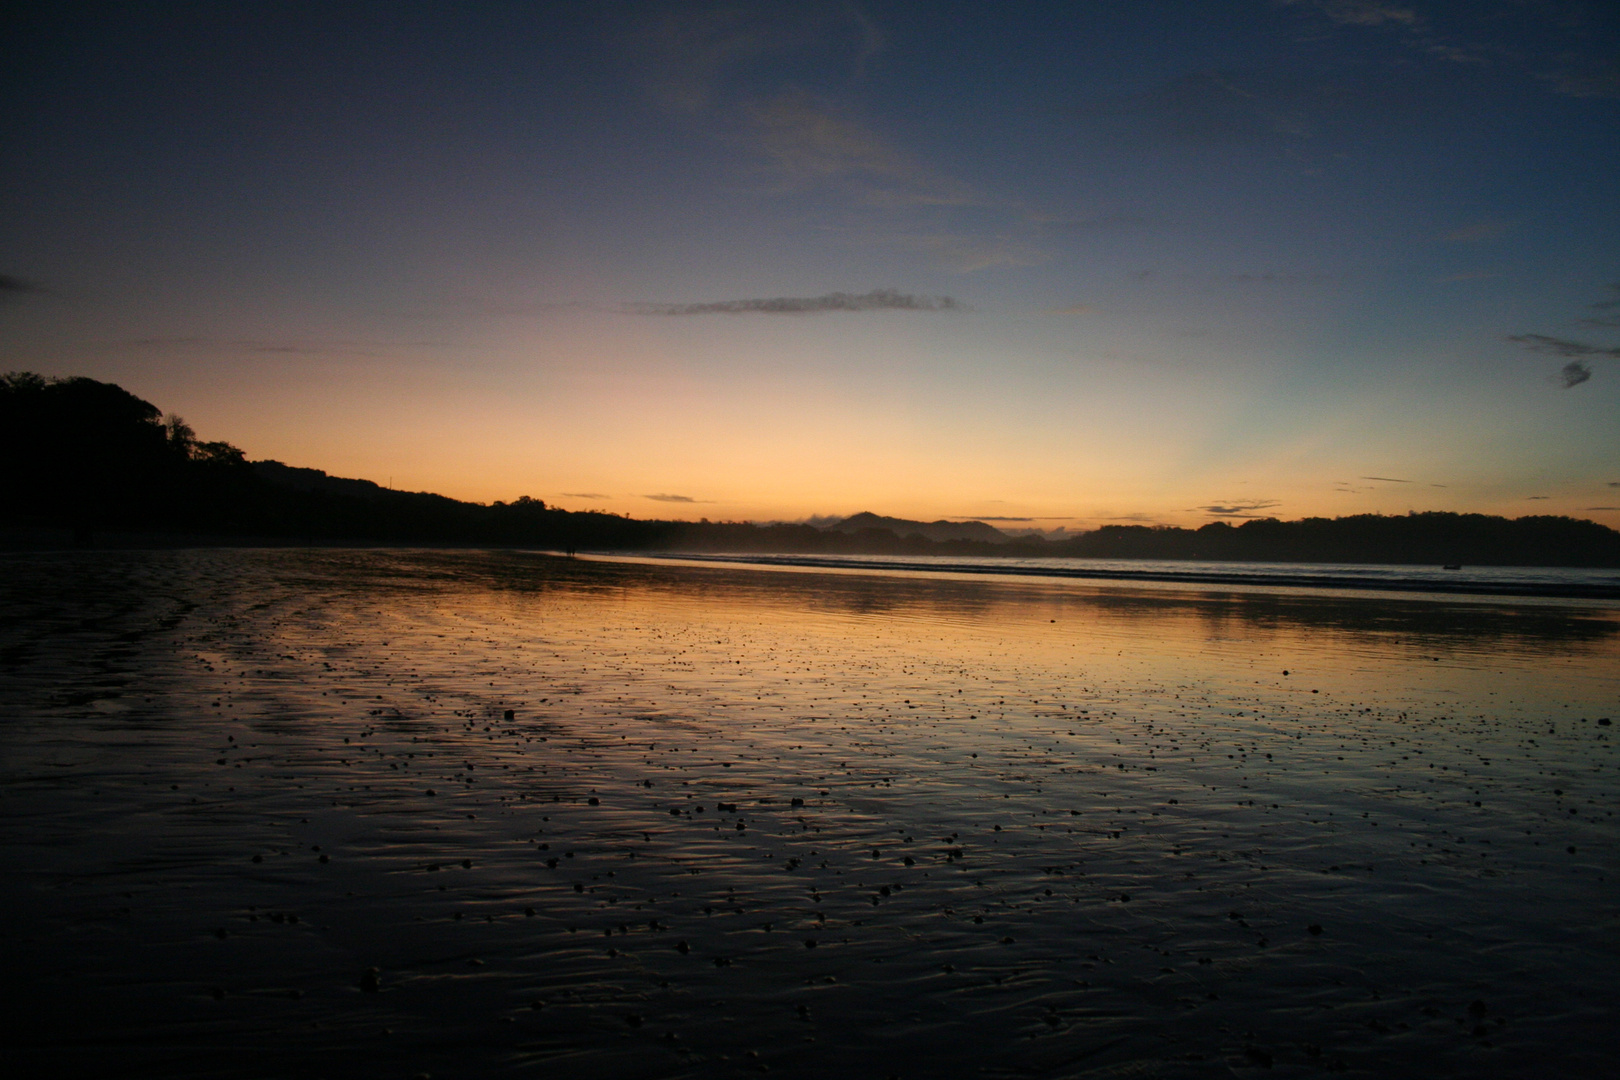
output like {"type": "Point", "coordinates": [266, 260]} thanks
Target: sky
{"type": "Point", "coordinates": [1050, 266]}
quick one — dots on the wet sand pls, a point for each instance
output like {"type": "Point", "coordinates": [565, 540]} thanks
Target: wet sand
{"type": "Point", "coordinates": [265, 813]}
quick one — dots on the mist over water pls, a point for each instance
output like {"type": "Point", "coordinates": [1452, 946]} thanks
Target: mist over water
{"type": "Point", "coordinates": [265, 813]}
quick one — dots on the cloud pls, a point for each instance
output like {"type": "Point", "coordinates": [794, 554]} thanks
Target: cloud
{"type": "Point", "coordinates": [1241, 277]}
{"type": "Point", "coordinates": [1097, 225]}
{"type": "Point", "coordinates": [1073, 309]}
{"type": "Point", "coordinates": [1239, 509]}
{"type": "Point", "coordinates": [1587, 79]}
{"type": "Point", "coordinates": [11, 285]}
{"type": "Point", "coordinates": [1605, 321]}
{"type": "Point", "coordinates": [1477, 232]}
{"type": "Point", "coordinates": [1574, 373]}
{"type": "Point", "coordinates": [1561, 346]}
{"type": "Point", "coordinates": [1359, 12]}
{"type": "Point", "coordinates": [1577, 370]}
{"type": "Point", "coordinates": [1232, 108]}
{"type": "Point", "coordinates": [810, 143]}
{"type": "Point", "coordinates": [1389, 479]}
{"type": "Point", "coordinates": [1601, 508]}
{"type": "Point", "coordinates": [272, 347]}
{"type": "Point", "coordinates": [584, 495]}
{"type": "Point", "coordinates": [963, 254]}
{"type": "Point", "coordinates": [1566, 45]}
{"type": "Point", "coordinates": [876, 300]}
{"type": "Point", "coordinates": [1613, 483]}
{"type": "Point", "coordinates": [774, 79]}
{"type": "Point", "coordinates": [696, 60]}
{"type": "Point", "coordinates": [672, 498]}
{"type": "Point", "coordinates": [970, 517]}
{"type": "Point", "coordinates": [1534, 498]}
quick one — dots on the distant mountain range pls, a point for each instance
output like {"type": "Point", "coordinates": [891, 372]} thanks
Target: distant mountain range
{"type": "Point", "coordinates": [937, 531]}
{"type": "Point", "coordinates": [81, 459]}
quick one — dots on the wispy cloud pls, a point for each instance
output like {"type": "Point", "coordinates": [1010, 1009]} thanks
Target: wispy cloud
{"type": "Point", "coordinates": [1097, 224]}
{"type": "Point", "coordinates": [959, 251]}
{"type": "Point", "coordinates": [726, 69]}
{"type": "Point", "coordinates": [1605, 321]}
{"type": "Point", "coordinates": [1587, 78]}
{"type": "Point", "coordinates": [10, 285]}
{"type": "Point", "coordinates": [1239, 509]}
{"type": "Point", "coordinates": [1477, 232]}
{"type": "Point", "coordinates": [584, 495]}
{"type": "Point", "coordinates": [1577, 353]}
{"type": "Point", "coordinates": [811, 142]}
{"type": "Point", "coordinates": [1567, 47]}
{"type": "Point", "coordinates": [1241, 277]}
{"type": "Point", "coordinates": [695, 60]}
{"type": "Point", "coordinates": [1556, 346]}
{"type": "Point", "coordinates": [672, 498]}
{"type": "Point", "coordinates": [1536, 498]}
{"type": "Point", "coordinates": [876, 300]}
{"type": "Point", "coordinates": [1359, 12]}
{"type": "Point", "coordinates": [1230, 108]}
{"type": "Point", "coordinates": [274, 347]}
{"type": "Point", "coordinates": [1389, 479]}
{"type": "Point", "coordinates": [1602, 508]}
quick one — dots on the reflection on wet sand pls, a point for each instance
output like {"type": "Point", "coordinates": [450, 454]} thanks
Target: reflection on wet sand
{"type": "Point", "coordinates": [472, 814]}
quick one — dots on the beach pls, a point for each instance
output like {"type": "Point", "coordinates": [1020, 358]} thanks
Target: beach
{"type": "Point", "coordinates": [465, 814]}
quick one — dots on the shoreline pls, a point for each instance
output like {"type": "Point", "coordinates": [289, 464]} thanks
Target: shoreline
{"type": "Point", "coordinates": [1338, 583]}
{"type": "Point", "coordinates": [42, 541]}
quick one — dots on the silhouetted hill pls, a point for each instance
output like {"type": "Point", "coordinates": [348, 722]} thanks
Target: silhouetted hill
{"type": "Point", "coordinates": [289, 476]}
{"type": "Point", "coordinates": [929, 530]}
{"type": "Point", "coordinates": [1432, 538]}
{"type": "Point", "coordinates": [92, 458]}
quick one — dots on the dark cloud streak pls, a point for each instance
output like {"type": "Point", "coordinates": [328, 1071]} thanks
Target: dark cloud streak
{"type": "Point", "coordinates": [16, 286]}
{"type": "Point", "coordinates": [1239, 509]}
{"type": "Point", "coordinates": [1574, 373]}
{"type": "Point", "coordinates": [1557, 346]}
{"type": "Point", "coordinates": [876, 300]}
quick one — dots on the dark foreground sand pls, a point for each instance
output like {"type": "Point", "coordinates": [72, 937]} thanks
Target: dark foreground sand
{"type": "Point", "coordinates": [264, 814]}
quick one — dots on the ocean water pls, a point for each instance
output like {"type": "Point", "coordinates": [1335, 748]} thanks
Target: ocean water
{"type": "Point", "coordinates": [467, 814]}
{"type": "Point", "coordinates": [1563, 582]}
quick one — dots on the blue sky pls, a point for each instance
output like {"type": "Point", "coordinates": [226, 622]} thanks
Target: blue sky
{"type": "Point", "coordinates": [1074, 263]}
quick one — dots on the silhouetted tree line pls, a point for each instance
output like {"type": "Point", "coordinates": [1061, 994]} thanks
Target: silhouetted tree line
{"type": "Point", "coordinates": [91, 457]}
